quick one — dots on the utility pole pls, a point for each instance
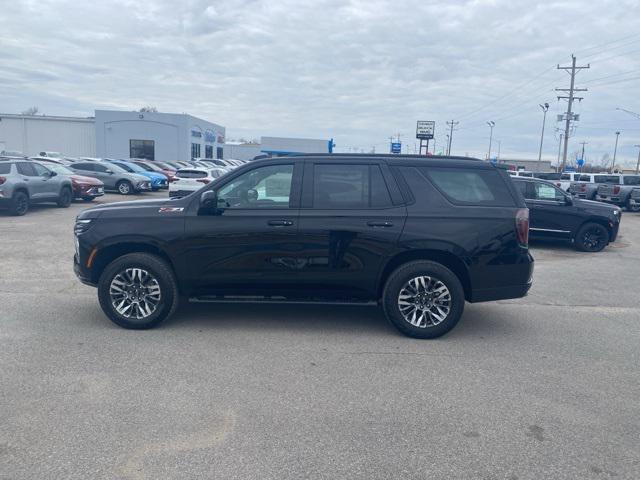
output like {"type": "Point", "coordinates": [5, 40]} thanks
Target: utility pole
{"type": "Point", "coordinates": [559, 150]}
{"type": "Point", "coordinates": [491, 125]}
{"type": "Point", "coordinates": [451, 124]}
{"type": "Point", "coordinates": [572, 70]}
{"type": "Point", "coordinates": [638, 162]}
{"type": "Point", "coordinates": [615, 150]}
{"type": "Point", "coordinates": [499, 145]}
{"type": "Point", "coordinates": [544, 108]}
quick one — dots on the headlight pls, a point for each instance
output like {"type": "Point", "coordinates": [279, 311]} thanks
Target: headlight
{"type": "Point", "coordinates": [81, 226]}
{"type": "Point", "coordinates": [616, 212]}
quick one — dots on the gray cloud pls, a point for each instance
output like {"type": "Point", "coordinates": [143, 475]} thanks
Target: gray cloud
{"type": "Point", "coordinates": [356, 70]}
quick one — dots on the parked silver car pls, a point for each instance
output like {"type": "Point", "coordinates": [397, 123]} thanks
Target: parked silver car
{"type": "Point", "coordinates": [113, 177]}
{"type": "Point", "coordinates": [23, 182]}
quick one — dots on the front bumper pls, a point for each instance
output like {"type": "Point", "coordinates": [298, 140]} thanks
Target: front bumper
{"type": "Point", "coordinates": [143, 186]}
{"type": "Point", "coordinates": [82, 275]}
{"type": "Point", "coordinates": [88, 192]}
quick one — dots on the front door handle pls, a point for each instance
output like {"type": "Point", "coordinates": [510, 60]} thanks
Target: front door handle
{"type": "Point", "coordinates": [374, 223]}
{"type": "Point", "coordinates": [280, 223]}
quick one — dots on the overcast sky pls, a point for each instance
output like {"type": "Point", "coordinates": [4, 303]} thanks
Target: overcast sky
{"type": "Point", "coordinates": [358, 71]}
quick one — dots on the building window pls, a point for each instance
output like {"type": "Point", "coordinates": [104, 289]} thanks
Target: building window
{"type": "Point", "coordinates": [195, 150]}
{"type": "Point", "coordinates": [219, 152]}
{"type": "Point", "coordinates": [142, 149]}
{"type": "Point", "coordinates": [208, 151]}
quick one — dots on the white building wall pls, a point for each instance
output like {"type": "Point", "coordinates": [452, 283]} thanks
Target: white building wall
{"type": "Point", "coordinates": [294, 145]}
{"type": "Point", "coordinates": [244, 151]}
{"type": "Point", "coordinates": [32, 134]}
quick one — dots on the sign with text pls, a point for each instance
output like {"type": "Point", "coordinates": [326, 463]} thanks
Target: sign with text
{"type": "Point", "coordinates": [425, 129]}
{"type": "Point", "coordinates": [396, 147]}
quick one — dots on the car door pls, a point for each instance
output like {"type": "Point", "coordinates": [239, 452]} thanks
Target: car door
{"type": "Point", "coordinates": [249, 244]}
{"type": "Point", "coordinates": [50, 184]}
{"type": "Point", "coordinates": [348, 225]}
{"type": "Point", "coordinates": [105, 174]}
{"type": "Point", "coordinates": [551, 213]}
{"type": "Point", "coordinates": [34, 182]}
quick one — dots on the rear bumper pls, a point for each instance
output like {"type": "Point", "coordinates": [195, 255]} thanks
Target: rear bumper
{"type": "Point", "coordinates": [501, 293]}
{"type": "Point", "coordinates": [520, 277]}
{"type": "Point", "coordinates": [607, 199]}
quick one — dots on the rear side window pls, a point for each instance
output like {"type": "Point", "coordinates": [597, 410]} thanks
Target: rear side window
{"type": "Point", "coordinates": [607, 179]}
{"type": "Point", "coordinates": [631, 180]}
{"type": "Point", "coordinates": [84, 166]}
{"type": "Point", "coordinates": [26, 169]}
{"type": "Point", "coordinates": [349, 186]}
{"type": "Point", "coordinates": [191, 174]}
{"type": "Point", "coordinates": [470, 187]}
{"type": "Point", "coordinates": [5, 168]}
{"type": "Point", "coordinates": [584, 178]}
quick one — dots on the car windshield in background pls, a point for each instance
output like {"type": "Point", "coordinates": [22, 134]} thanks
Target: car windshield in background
{"type": "Point", "coordinates": [129, 167]}
{"type": "Point", "coordinates": [584, 178]}
{"type": "Point", "coordinates": [547, 176]}
{"type": "Point", "coordinates": [61, 169]}
{"type": "Point", "coordinates": [191, 174]}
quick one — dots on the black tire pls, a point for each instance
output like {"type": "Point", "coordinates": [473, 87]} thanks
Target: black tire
{"type": "Point", "coordinates": [400, 278]}
{"type": "Point", "coordinates": [156, 268]}
{"type": "Point", "coordinates": [632, 208]}
{"type": "Point", "coordinates": [591, 237]}
{"type": "Point", "coordinates": [19, 204]}
{"type": "Point", "coordinates": [64, 200]}
{"type": "Point", "coordinates": [124, 187]}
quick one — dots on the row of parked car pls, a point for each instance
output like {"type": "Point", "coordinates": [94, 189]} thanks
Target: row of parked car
{"type": "Point", "coordinates": [618, 189]}
{"type": "Point", "coordinates": [53, 177]}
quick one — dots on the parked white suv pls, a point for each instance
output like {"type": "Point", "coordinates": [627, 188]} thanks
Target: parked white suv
{"type": "Point", "coordinates": [189, 180]}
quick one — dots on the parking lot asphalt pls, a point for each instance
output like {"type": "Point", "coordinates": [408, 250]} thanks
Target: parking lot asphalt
{"type": "Point", "coordinates": [547, 386]}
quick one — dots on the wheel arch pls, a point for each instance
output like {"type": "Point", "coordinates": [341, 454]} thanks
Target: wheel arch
{"type": "Point", "coordinates": [448, 259]}
{"type": "Point", "coordinates": [108, 253]}
{"type": "Point", "coordinates": [600, 221]}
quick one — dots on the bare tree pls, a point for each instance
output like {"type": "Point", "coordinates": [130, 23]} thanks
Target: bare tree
{"type": "Point", "coordinates": [30, 111]}
{"type": "Point", "coordinates": [148, 108]}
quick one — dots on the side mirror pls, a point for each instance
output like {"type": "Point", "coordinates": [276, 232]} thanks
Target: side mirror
{"type": "Point", "coordinates": [568, 200]}
{"type": "Point", "coordinates": [110, 172]}
{"type": "Point", "coordinates": [209, 201]}
{"type": "Point", "coordinates": [52, 173]}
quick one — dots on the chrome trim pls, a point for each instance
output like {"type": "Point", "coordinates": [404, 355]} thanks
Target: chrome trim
{"type": "Point", "coordinates": [549, 230]}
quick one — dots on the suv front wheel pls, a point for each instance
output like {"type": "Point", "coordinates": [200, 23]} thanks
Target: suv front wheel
{"type": "Point", "coordinates": [423, 299]}
{"type": "Point", "coordinates": [138, 291]}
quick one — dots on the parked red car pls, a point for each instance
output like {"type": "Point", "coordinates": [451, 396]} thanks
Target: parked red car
{"type": "Point", "coordinates": [86, 188]}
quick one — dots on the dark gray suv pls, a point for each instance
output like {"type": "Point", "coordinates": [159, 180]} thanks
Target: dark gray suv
{"type": "Point", "coordinates": [23, 183]}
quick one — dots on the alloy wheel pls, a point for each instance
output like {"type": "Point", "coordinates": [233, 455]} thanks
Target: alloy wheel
{"type": "Point", "coordinates": [593, 239]}
{"type": "Point", "coordinates": [135, 293]}
{"type": "Point", "coordinates": [124, 188]}
{"type": "Point", "coordinates": [424, 302]}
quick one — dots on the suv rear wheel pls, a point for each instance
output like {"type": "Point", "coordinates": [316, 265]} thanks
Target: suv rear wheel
{"type": "Point", "coordinates": [138, 291]}
{"type": "Point", "coordinates": [19, 203]}
{"type": "Point", "coordinates": [124, 187]}
{"type": "Point", "coordinates": [423, 299]}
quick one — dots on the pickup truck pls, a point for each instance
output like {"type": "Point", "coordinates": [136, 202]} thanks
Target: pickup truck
{"type": "Point", "coordinates": [587, 184]}
{"type": "Point", "coordinates": [620, 194]}
{"type": "Point", "coordinates": [634, 199]}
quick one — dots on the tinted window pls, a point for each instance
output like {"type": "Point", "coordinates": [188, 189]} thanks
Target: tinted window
{"type": "Point", "coordinates": [142, 149]}
{"type": "Point", "coordinates": [191, 174]}
{"type": "Point", "coordinates": [631, 180]}
{"type": "Point", "coordinates": [5, 168]}
{"type": "Point", "coordinates": [607, 179]}
{"type": "Point", "coordinates": [84, 166]}
{"type": "Point", "coordinates": [341, 186]}
{"type": "Point", "coordinates": [584, 178]}
{"type": "Point", "coordinates": [264, 187]}
{"type": "Point", "coordinates": [477, 187]}
{"type": "Point", "coordinates": [26, 169]}
{"type": "Point", "coordinates": [522, 186]}
{"type": "Point", "coordinates": [102, 168]}
{"type": "Point", "coordinates": [547, 176]}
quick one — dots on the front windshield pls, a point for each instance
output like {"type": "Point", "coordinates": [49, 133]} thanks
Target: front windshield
{"type": "Point", "coordinates": [61, 169]}
{"type": "Point", "coordinates": [145, 167]}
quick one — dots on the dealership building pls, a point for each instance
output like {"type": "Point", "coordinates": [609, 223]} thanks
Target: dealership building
{"type": "Point", "coordinates": [152, 135]}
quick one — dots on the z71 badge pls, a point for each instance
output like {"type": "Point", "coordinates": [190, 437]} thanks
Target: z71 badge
{"type": "Point", "coordinates": [170, 209]}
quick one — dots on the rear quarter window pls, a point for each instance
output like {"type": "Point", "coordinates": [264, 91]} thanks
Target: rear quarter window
{"type": "Point", "coordinates": [5, 168]}
{"type": "Point", "coordinates": [470, 186]}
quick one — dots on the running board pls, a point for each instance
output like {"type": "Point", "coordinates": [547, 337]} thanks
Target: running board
{"type": "Point", "coordinates": [278, 300]}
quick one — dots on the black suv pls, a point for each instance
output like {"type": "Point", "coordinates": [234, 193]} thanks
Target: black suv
{"type": "Point", "coordinates": [418, 235]}
{"type": "Point", "coordinates": [554, 214]}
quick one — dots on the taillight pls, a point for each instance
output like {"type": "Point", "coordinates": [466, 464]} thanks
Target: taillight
{"type": "Point", "coordinates": [558, 184]}
{"type": "Point", "coordinates": [522, 226]}
{"type": "Point", "coordinates": [203, 180]}
{"type": "Point", "coordinates": [582, 187]}
{"type": "Point", "coordinates": [616, 189]}
{"type": "Point", "coordinates": [2, 180]}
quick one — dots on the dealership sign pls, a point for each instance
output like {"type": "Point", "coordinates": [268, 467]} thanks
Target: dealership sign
{"type": "Point", "coordinates": [396, 147]}
{"type": "Point", "coordinates": [425, 129]}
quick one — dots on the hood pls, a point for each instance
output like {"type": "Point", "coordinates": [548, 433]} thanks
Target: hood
{"type": "Point", "coordinates": [83, 179]}
{"type": "Point", "coordinates": [135, 208]}
{"type": "Point", "coordinates": [137, 177]}
{"type": "Point", "coordinates": [594, 206]}
{"type": "Point", "coordinates": [153, 175]}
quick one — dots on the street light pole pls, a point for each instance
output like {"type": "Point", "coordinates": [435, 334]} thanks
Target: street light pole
{"type": "Point", "coordinates": [544, 108]}
{"type": "Point", "coordinates": [638, 162]}
{"type": "Point", "coordinates": [615, 150]}
{"type": "Point", "coordinates": [491, 125]}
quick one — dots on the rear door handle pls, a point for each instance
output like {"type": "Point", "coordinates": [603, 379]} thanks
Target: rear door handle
{"type": "Point", "coordinates": [280, 223]}
{"type": "Point", "coordinates": [374, 223]}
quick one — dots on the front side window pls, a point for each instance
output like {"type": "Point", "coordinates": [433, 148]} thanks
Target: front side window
{"type": "Point", "coordinates": [544, 191]}
{"type": "Point", "coordinates": [142, 149]}
{"type": "Point", "coordinates": [263, 187]}
{"type": "Point", "coordinates": [466, 186]}
{"type": "Point", "coordinates": [40, 170]}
